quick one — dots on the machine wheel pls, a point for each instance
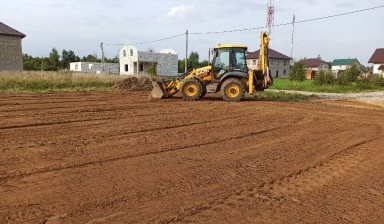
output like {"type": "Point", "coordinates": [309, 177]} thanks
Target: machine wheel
{"type": "Point", "coordinates": [191, 89]}
{"type": "Point", "coordinates": [204, 89]}
{"type": "Point", "coordinates": [232, 90]}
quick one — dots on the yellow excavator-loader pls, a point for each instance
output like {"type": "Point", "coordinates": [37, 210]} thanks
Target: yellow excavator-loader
{"type": "Point", "coordinates": [228, 74]}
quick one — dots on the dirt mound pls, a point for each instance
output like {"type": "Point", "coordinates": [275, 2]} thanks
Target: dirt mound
{"type": "Point", "coordinates": [142, 83]}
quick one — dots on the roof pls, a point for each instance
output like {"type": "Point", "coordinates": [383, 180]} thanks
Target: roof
{"type": "Point", "coordinates": [340, 62]}
{"type": "Point", "coordinates": [314, 62]}
{"type": "Point", "coordinates": [381, 67]}
{"type": "Point", "coordinates": [6, 30]}
{"type": "Point", "coordinates": [377, 57]}
{"type": "Point", "coordinates": [271, 54]}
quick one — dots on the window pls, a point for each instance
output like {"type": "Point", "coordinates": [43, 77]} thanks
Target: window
{"type": "Point", "coordinates": [254, 62]}
{"type": "Point", "coordinates": [90, 66]}
{"type": "Point", "coordinates": [126, 68]}
{"type": "Point", "coordinates": [285, 62]}
{"type": "Point", "coordinates": [277, 73]}
{"type": "Point", "coordinates": [124, 53]}
{"type": "Point", "coordinates": [131, 52]}
{"type": "Point", "coordinates": [238, 62]}
{"type": "Point", "coordinates": [221, 62]}
{"type": "Point", "coordinates": [141, 67]}
{"type": "Point", "coordinates": [284, 72]}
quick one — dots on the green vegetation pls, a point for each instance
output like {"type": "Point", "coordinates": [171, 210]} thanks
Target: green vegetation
{"type": "Point", "coordinates": [48, 81]}
{"type": "Point", "coordinates": [298, 71]}
{"type": "Point", "coordinates": [56, 61]}
{"type": "Point", "coordinates": [280, 96]}
{"type": "Point", "coordinates": [375, 83]}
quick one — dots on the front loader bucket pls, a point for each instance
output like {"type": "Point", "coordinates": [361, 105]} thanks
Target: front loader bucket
{"type": "Point", "coordinates": [157, 91]}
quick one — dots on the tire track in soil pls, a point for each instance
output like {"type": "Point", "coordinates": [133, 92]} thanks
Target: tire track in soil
{"type": "Point", "coordinates": [288, 187]}
{"type": "Point", "coordinates": [17, 174]}
{"type": "Point", "coordinates": [21, 174]}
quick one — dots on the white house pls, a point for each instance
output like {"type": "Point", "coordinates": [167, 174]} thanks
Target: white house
{"type": "Point", "coordinates": [279, 64]}
{"type": "Point", "coordinates": [340, 65]}
{"type": "Point", "coordinates": [377, 60]}
{"type": "Point", "coordinates": [94, 67]}
{"type": "Point", "coordinates": [134, 62]}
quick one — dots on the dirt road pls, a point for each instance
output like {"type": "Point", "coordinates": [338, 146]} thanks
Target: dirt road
{"type": "Point", "coordinates": [120, 158]}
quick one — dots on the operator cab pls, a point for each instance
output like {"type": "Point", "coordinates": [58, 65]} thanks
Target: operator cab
{"type": "Point", "coordinates": [229, 58]}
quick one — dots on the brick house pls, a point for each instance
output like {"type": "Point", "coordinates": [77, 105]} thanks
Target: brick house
{"type": "Point", "coordinates": [11, 56]}
{"type": "Point", "coordinates": [313, 66]}
{"type": "Point", "coordinates": [134, 62]}
{"type": "Point", "coordinates": [377, 60]}
{"type": "Point", "coordinates": [279, 64]}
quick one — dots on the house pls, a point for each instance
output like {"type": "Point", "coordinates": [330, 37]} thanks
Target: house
{"type": "Point", "coordinates": [340, 65]}
{"type": "Point", "coordinates": [11, 56]}
{"type": "Point", "coordinates": [94, 67]}
{"type": "Point", "coordinates": [313, 66]}
{"type": "Point", "coordinates": [279, 64]}
{"type": "Point", "coordinates": [377, 60]}
{"type": "Point", "coordinates": [134, 62]}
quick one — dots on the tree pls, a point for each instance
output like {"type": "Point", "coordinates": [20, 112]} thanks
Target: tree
{"type": "Point", "coordinates": [193, 60]}
{"type": "Point", "coordinates": [90, 58]}
{"type": "Point", "coordinates": [298, 71]}
{"type": "Point", "coordinates": [181, 66]}
{"type": "Point", "coordinates": [54, 60]}
{"type": "Point", "coordinates": [67, 57]}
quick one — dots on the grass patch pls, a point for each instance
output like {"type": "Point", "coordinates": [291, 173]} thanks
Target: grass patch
{"type": "Point", "coordinates": [309, 85]}
{"type": "Point", "coordinates": [48, 81]}
{"type": "Point", "coordinates": [281, 96]}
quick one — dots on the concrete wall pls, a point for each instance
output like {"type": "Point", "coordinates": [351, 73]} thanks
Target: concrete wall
{"type": "Point", "coordinates": [11, 56]}
{"type": "Point", "coordinates": [95, 68]}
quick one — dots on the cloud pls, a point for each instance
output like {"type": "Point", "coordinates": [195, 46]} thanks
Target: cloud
{"type": "Point", "coordinates": [180, 11]}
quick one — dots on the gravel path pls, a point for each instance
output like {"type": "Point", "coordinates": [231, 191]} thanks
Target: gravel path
{"type": "Point", "coordinates": [376, 98]}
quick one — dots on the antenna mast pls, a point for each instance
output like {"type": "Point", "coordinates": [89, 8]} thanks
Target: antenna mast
{"type": "Point", "coordinates": [270, 17]}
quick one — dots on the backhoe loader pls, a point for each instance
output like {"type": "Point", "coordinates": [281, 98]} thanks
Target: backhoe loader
{"type": "Point", "coordinates": [228, 74]}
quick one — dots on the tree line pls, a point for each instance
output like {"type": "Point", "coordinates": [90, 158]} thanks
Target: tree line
{"type": "Point", "coordinates": [60, 61]}
{"type": "Point", "coordinates": [56, 61]}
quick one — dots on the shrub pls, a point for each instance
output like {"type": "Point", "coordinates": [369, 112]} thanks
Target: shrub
{"type": "Point", "coordinates": [324, 78]}
{"type": "Point", "coordinates": [378, 80]}
{"type": "Point", "coordinates": [298, 71]}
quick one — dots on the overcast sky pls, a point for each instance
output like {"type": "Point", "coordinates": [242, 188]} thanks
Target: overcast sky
{"type": "Point", "coordinates": [80, 25]}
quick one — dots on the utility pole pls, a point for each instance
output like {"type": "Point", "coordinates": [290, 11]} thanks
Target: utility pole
{"type": "Point", "coordinates": [293, 33]}
{"type": "Point", "coordinates": [186, 52]}
{"type": "Point", "coordinates": [102, 57]}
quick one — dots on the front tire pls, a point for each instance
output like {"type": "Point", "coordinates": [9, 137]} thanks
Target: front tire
{"type": "Point", "coordinates": [191, 89]}
{"type": "Point", "coordinates": [232, 90]}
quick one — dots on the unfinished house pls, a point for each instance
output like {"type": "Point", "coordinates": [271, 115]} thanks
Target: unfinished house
{"type": "Point", "coordinates": [279, 64]}
{"type": "Point", "coordinates": [11, 56]}
{"type": "Point", "coordinates": [134, 62]}
{"type": "Point", "coordinates": [313, 66]}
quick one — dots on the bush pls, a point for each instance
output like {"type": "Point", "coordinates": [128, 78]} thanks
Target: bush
{"type": "Point", "coordinates": [298, 71]}
{"type": "Point", "coordinates": [324, 78]}
{"type": "Point", "coordinates": [378, 80]}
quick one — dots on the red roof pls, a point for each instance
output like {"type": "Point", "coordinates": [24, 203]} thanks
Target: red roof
{"type": "Point", "coordinates": [313, 62]}
{"type": "Point", "coordinates": [381, 67]}
{"type": "Point", "coordinates": [377, 57]}
{"type": "Point", "coordinates": [6, 30]}
{"type": "Point", "coordinates": [271, 53]}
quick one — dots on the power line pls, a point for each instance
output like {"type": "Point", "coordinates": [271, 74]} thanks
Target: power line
{"type": "Point", "coordinates": [289, 23]}
{"type": "Point", "coordinates": [255, 28]}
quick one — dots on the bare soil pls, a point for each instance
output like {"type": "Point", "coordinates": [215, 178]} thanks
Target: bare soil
{"type": "Point", "coordinates": [118, 157]}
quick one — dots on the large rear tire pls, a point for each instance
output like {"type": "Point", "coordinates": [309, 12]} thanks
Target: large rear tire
{"type": "Point", "coordinates": [232, 90]}
{"type": "Point", "coordinates": [191, 89]}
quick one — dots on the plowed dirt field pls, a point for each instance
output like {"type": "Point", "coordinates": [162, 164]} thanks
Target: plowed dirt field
{"type": "Point", "coordinates": [120, 158]}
